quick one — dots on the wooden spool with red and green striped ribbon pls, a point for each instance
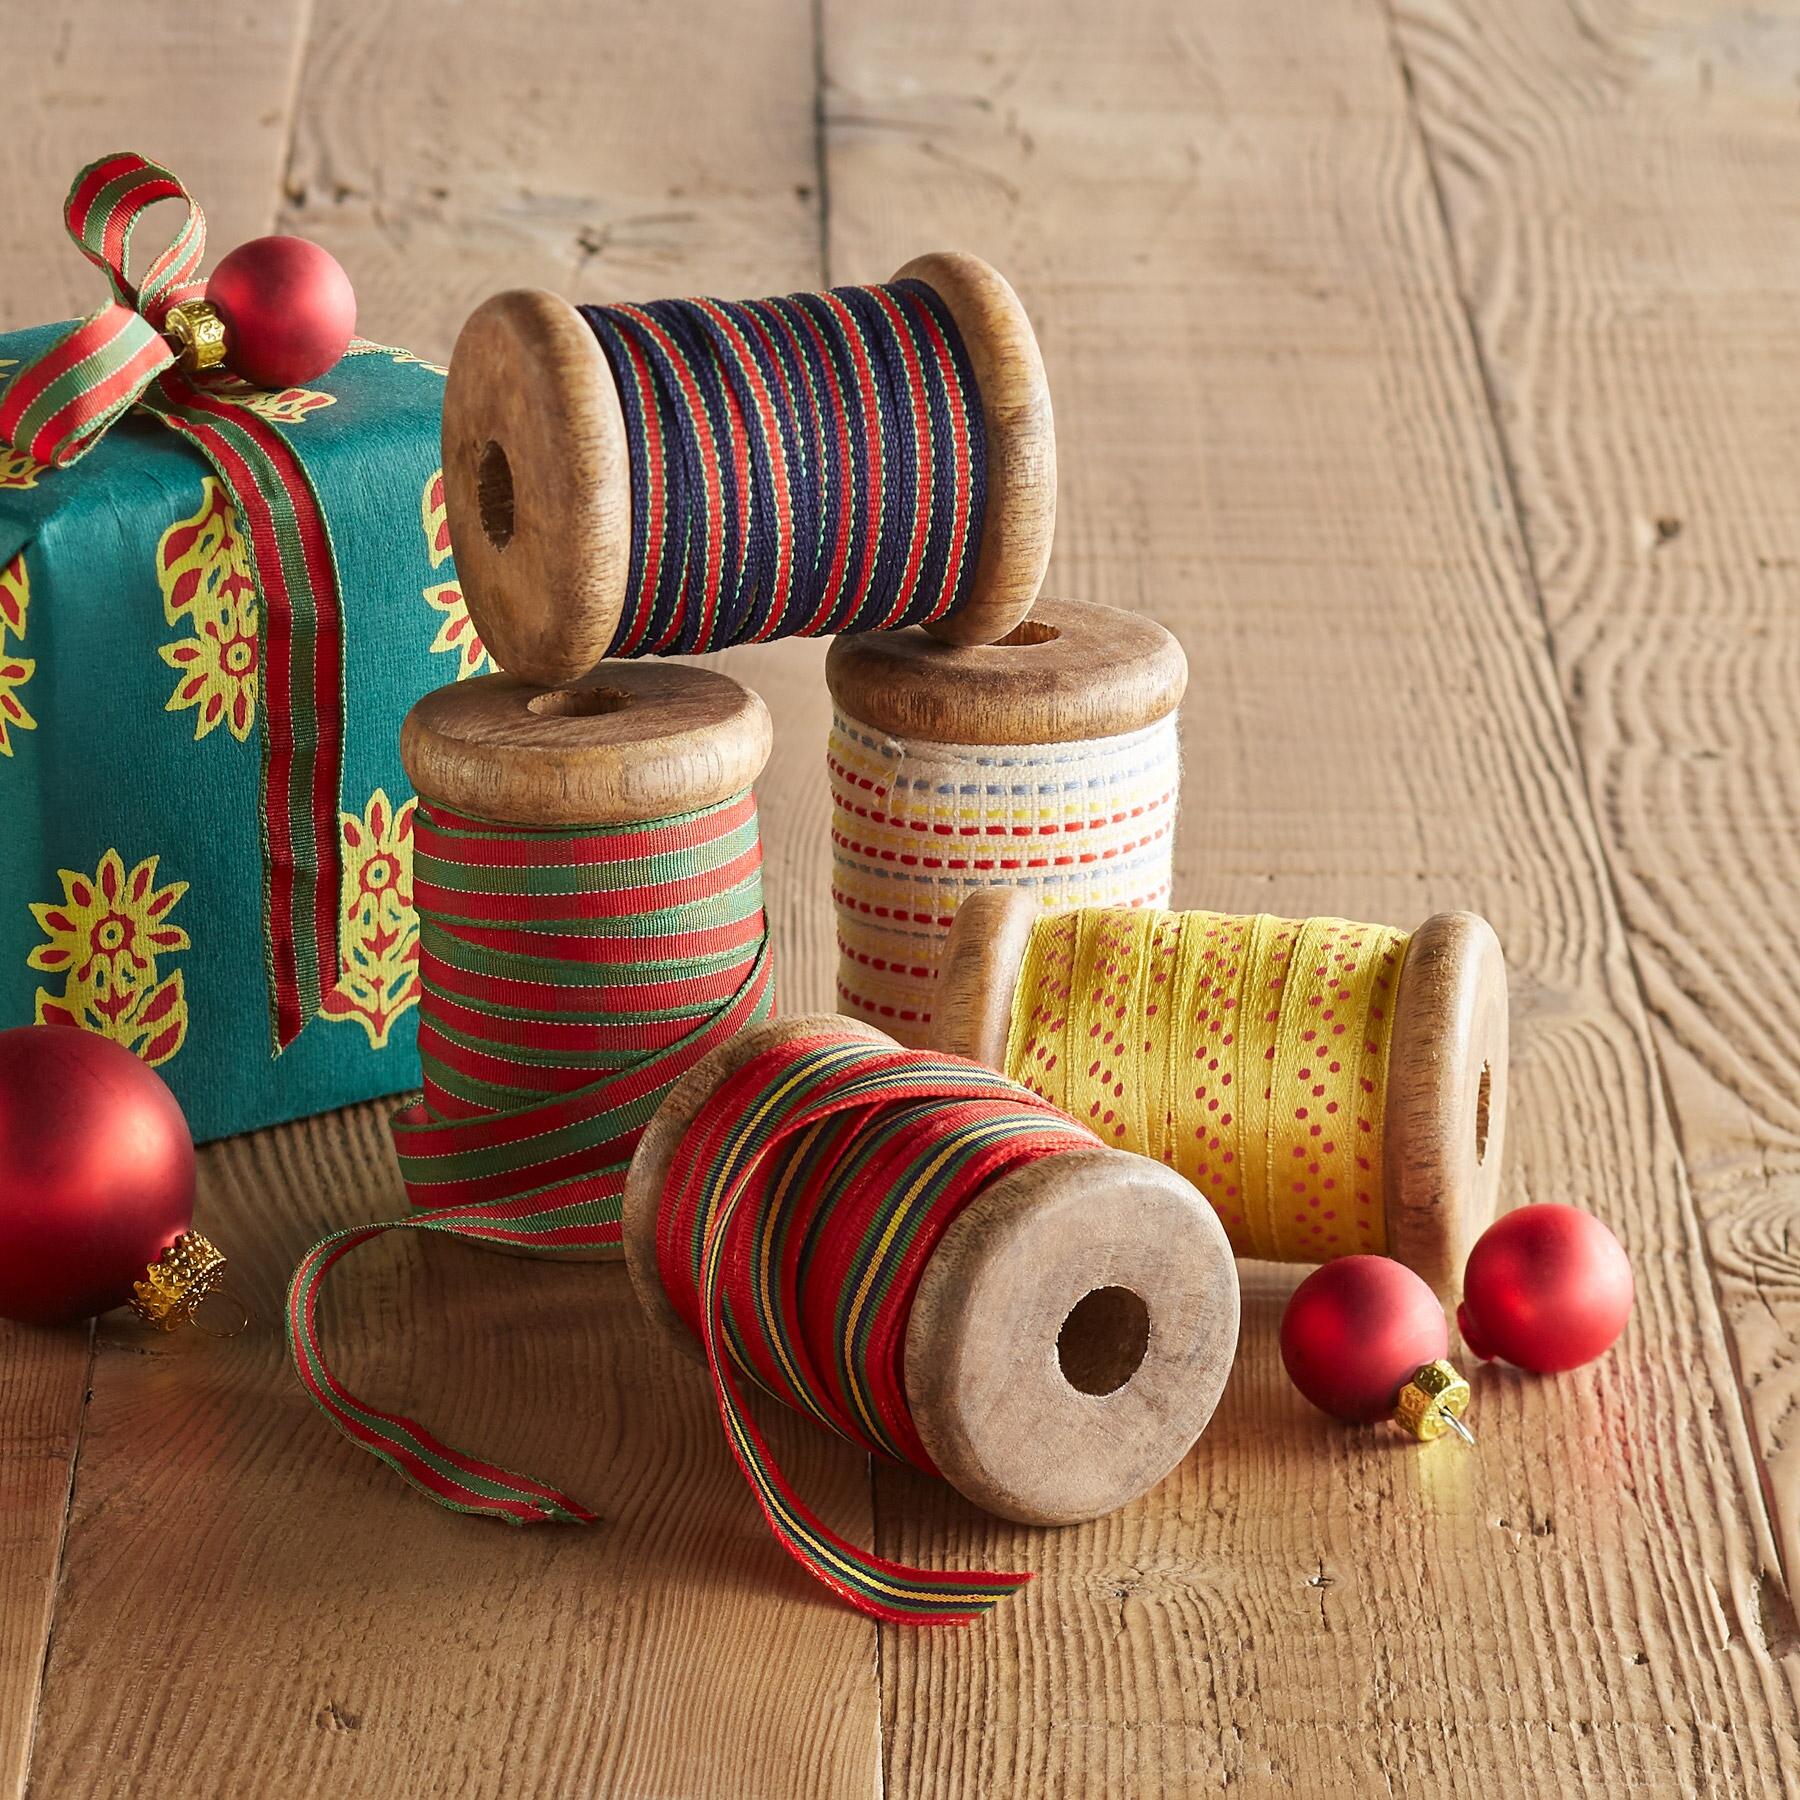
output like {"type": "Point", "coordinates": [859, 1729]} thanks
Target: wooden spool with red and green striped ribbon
{"type": "Point", "coordinates": [588, 874]}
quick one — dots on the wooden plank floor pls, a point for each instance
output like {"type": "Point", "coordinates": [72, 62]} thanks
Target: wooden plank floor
{"type": "Point", "coordinates": [1429, 368]}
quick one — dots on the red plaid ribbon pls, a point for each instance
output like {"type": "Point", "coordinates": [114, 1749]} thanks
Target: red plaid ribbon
{"type": "Point", "coordinates": [57, 408]}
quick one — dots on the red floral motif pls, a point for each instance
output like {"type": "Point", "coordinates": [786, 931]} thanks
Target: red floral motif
{"type": "Point", "coordinates": [282, 406]}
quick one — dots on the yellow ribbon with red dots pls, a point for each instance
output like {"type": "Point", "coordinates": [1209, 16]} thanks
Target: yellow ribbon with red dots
{"type": "Point", "coordinates": [1250, 1054]}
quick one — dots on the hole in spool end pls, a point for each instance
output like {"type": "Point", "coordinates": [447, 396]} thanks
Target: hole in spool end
{"type": "Point", "coordinates": [577, 703]}
{"type": "Point", "coordinates": [1103, 1340]}
{"type": "Point", "coordinates": [1483, 1095]}
{"type": "Point", "coordinates": [1029, 631]}
{"type": "Point", "coordinates": [494, 495]}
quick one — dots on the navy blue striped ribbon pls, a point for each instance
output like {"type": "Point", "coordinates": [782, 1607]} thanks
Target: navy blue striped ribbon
{"type": "Point", "coordinates": [799, 466]}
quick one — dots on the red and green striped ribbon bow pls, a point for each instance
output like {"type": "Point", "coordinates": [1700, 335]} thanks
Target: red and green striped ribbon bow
{"type": "Point", "coordinates": [800, 1212]}
{"type": "Point", "coordinates": [571, 978]}
{"type": "Point", "coordinates": [57, 408]}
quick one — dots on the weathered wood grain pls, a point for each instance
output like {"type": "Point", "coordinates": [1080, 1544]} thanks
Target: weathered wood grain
{"type": "Point", "coordinates": [447, 151]}
{"type": "Point", "coordinates": [206, 92]}
{"type": "Point", "coordinates": [41, 1411]}
{"type": "Point", "coordinates": [1274, 437]}
{"type": "Point", "coordinates": [1619, 184]}
{"type": "Point", "coordinates": [245, 1591]}
{"type": "Point", "coordinates": [77, 87]}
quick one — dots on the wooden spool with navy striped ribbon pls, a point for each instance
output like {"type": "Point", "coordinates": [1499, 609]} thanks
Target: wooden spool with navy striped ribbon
{"type": "Point", "coordinates": [538, 482]}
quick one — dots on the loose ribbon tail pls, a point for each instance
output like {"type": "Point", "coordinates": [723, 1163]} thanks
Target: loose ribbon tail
{"type": "Point", "coordinates": [577, 1216]}
{"type": "Point", "coordinates": [454, 1478]}
{"type": "Point", "coordinates": [551, 961]}
{"type": "Point", "coordinates": [895, 1593]}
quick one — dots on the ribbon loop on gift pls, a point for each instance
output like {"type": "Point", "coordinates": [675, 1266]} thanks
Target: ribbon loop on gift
{"type": "Point", "coordinates": [57, 408]}
{"type": "Point", "coordinates": [102, 212]}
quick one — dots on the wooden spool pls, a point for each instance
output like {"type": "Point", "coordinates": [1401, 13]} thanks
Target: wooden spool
{"type": "Point", "coordinates": [1072, 671]}
{"type": "Point", "coordinates": [1069, 1337]}
{"type": "Point", "coordinates": [1445, 1124]}
{"type": "Point", "coordinates": [647, 741]}
{"type": "Point", "coordinates": [537, 477]}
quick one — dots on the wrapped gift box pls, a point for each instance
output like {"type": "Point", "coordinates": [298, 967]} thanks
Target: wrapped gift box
{"type": "Point", "coordinates": [131, 850]}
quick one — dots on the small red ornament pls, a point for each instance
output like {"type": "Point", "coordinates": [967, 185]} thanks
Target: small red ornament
{"type": "Point", "coordinates": [1547, 1287]}
{"type": "Point", "coordinates": [288, 309]}
{"type": "Point", "coordinates": [96, 1174]}
{"type": "Point", "coordinates": [1364, 1338]}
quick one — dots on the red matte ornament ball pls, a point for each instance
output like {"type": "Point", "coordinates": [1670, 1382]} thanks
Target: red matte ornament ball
{"type": "Point", "coordinates": [1547, 1287]}
{"type": "Point", "coordinates": [288, 308]}
{"type": "Point", "coordinates": [96, 1173]}
{"type": "Point", "coordinates": [1356, 1331]}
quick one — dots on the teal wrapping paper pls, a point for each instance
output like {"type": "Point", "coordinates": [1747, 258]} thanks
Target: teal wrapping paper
{"type": "Point", "coordinates": [130, 847]}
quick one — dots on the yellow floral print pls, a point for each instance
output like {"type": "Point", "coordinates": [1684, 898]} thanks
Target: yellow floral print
{"type": "Point", "coordinates": [105, 938]}
{"type": "Point", "coordinates": [281, 406]}
{"type": "Point", "coordinates": [203, 569]}
{"type": "Point", "coordinates": [380, 932]}
{"type": "Point", "coordinates": [457, 633]}
{"type": "Point", "coordinates": [15, 670]}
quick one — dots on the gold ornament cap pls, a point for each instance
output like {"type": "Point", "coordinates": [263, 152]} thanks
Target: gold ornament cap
{"type": "Point", "coordinates": [176, 1283]}
{"type": "Point", "coordinates": [199, 334]}
{"type": "Point", "coordinates": [1433, 1403]}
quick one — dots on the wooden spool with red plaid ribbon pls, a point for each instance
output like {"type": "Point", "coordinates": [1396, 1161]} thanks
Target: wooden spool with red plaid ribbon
{"type": "Point", "coordinates": [1070, 1334]}
{"type": "Point", "coordinates": [543, 1010]}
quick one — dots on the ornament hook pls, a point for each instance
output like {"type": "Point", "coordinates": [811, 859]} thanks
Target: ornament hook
{"type": "Point", "coordinates": [1433, 1403]}
{"type": "Point", "coordinates": [178, 1284]}
{"type": "Point", "coordinates": [240, 1308]}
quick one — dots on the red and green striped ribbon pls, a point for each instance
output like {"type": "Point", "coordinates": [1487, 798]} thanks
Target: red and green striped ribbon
{"type": "Point", "coordinates": [58, 407]}
{"type": "Point", "coordinates": [570, 978]}
{"type": "Point", "coordinates": [801, 1210]}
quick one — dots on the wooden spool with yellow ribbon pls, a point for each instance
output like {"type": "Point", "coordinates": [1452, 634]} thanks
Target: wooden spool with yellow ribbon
{"type": "Point", "coordinates": [1332, 1088]}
